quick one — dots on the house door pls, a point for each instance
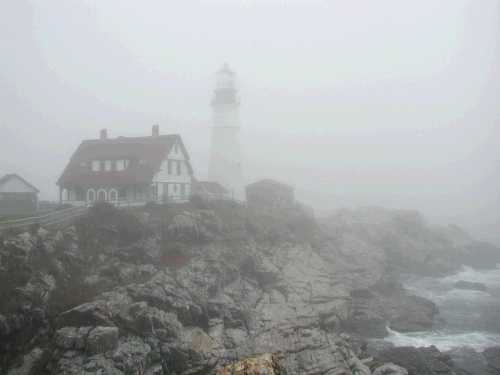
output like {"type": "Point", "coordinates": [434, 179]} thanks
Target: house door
{"type": "Point", "coordinates": [101, 196]}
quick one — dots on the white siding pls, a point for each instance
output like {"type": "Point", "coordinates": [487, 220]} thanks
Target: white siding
{"type": "Point", "coordinates": [176, 156]}
{"type": "Point", "coordinates": [16, 185]}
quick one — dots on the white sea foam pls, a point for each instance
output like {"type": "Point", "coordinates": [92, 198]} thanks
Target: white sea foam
{"type": "Point", "coordinates": [443, 340]}
{"type": "Point", "coordinates": [490, 278]}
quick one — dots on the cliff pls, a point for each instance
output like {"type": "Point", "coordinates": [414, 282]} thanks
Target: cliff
{"type": "Point", "coordinates": [189, 289]}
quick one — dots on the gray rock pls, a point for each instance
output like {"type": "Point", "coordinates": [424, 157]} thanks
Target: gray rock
{"type": "Point", "coordinates": [28, 362]}
{"type": "Point", "coordinates": [390, 369]}
{"type": "Point", "coordinates": [469, 285]}
{"type": "Point", "coordinates": [5, 328]}
{"type": "Point", "coordinates": [101, 339]}
{"type": "Point", "coordinates": [81, 337]}
{"type": "Point", "coordinates": [492, 355]}
{"type": "Point", "coordinates": [65, 337]}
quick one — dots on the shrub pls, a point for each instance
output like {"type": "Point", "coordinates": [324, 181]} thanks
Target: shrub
{"type": "Point", "coordinates": [111, 271]}
{"type": "Point", "coordinates": [103, 216]}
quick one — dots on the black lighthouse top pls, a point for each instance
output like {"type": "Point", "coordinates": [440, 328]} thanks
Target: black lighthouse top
{"type": "Point", "coordinates": [225, 88]}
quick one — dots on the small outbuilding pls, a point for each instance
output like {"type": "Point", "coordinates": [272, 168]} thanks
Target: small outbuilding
{"type": "Point", "coordinates": [210, 189]}
{"type": "Point", "coordinates": [17, 195]}
{"type": "Point", "coordinates": [270, 193]}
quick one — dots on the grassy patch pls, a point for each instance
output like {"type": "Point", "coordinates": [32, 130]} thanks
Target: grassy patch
{"type": "Point", "coordinates": [174, 257]}
{"type": "Point", "coordinates": [103, 218]}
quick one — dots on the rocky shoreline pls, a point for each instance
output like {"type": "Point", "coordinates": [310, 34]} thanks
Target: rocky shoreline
{"type": "Point", "coordinates": [190, 291]}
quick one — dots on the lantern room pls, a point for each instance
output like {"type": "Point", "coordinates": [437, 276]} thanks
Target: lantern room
{"type": "Point", "coordinates": [225, 88]}
{"type": "Point", "coordinates": [225, 78]}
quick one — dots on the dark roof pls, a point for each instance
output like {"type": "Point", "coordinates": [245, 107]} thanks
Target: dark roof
{"type": "Point", "coordinates": [145, 154]}
{"type": "Point", "coordinates": [7, 177]}
{"type": "Point", "coordinates": [213, 187]}
{"type": "Point", "coordinates": [270, 183]}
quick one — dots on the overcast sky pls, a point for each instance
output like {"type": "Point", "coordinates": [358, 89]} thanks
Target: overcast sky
{"type": "Point", "coordinates": [392, 103]}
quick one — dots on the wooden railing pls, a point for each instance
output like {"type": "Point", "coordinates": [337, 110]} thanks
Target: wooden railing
{"type": "Point", "coordinates": [47, 219]}
{"type": "Point", "coordinates": [70, 213]}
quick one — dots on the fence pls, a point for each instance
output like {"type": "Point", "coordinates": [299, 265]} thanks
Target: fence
{"type": "Point", "coordinates": [70, 213]}
{"type": "Point", "coordinates": [45, 220]}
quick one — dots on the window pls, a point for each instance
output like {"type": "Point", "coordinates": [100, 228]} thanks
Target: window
{"type": "Point", "coordinates": [170, 167]}
{"type": "Point", "coordinates": [95, 165]}
{"type": "Point", "coordinates": [120, 165]}
{"type": "Point", "coordinates": [113, 165]}
{"type": "Point", "coordinates": [101, 165]}
{"type": "Point", "coordinates": [175, 188]}
{"type": "Point", "coordinates": [183, 189]}
{"type": "Point", "coordinates": [178, 167]}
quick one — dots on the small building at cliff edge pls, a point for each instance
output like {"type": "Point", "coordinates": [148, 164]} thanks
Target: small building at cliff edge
{"type": "Point", "coordinates": [17, 195]}
{"type": "Point", "coordinates": [270, 193]}
{"type": "Point", "coordinates": [155, 168]}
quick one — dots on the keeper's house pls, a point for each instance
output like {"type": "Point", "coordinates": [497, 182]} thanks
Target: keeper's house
{"type": "Point", "coordinates": [17, 195]}
{"type": "Point", "coordinates": [151, 168]}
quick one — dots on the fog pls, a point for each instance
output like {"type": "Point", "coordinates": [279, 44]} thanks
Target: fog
{"type": "Point", "coordinates": [384, 103]}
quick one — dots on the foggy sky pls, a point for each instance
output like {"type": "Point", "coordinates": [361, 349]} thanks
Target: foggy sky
{"type": "Point", "coordinates": [392, 103]}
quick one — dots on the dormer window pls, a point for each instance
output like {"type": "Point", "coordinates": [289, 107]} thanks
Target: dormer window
{"type": "Point", "coordinates": [95, 165]}
{"type": "Point", "coordinates": [113, 165]}
{"type": "Point", "coordinates": [83, 163]}
{"type": "Point", "coordinates": [142, 161]}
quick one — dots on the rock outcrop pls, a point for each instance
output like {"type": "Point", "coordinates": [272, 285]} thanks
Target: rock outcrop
{"type": "Point", "coordinates": [418, 361]}
{"type": "Point", "coordinates": [469, 285]}
{"type": "Point", "coordinates": [193, 291]}
{"type": "Point", "coordinates": [266, 364]}
{"type": "Point", "coordinates": [411, 244]}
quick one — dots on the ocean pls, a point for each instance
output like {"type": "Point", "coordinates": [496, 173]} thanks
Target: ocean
{"type": "Point", "coordinates": [467, 319]}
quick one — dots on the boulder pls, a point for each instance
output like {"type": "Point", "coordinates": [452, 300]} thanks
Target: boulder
{"type": "Point", "coordinates": [28, 363]}
{"type": "Point", "coordinates": [266, 364]}
{"type": "Point", "coordinates": [469, 285]}
{"type": "Point", "coordinates": [492, 355]}
{"type": "Point", "coordinates": [418, 361]}
{"type": "Point", "coordinates": [65, 337]}
{"type": "Point", "coordinates": [101, 339]}
{"type": "Point", "coordinates": [390, 369]}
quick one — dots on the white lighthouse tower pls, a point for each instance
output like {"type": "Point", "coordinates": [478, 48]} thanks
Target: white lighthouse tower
{"type": "Point", "coordinates": [225, 153]}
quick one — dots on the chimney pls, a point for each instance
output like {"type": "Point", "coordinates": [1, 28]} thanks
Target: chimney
{"type": "Point", "coordinates": [104, 134]}
{"type": "Point", "coordinates": [156, 131]}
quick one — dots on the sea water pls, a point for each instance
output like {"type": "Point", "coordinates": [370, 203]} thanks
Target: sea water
{"type": "Point", "coordinates": [468, 319]}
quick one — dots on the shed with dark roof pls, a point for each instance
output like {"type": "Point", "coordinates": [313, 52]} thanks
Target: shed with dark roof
{"type": "Point", "coordinates": [17, 195]}
{"type": "Point", "coordinates": [270, 193]}
{"type": "Point", "coordinates": [210, 189]}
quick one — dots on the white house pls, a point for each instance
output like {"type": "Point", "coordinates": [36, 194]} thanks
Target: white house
{"type": "Point", "coordinates": [154, 167]}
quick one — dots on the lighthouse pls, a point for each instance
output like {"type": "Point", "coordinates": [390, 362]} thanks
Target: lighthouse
{"type": "Point", "coordinates": [225, 153]}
